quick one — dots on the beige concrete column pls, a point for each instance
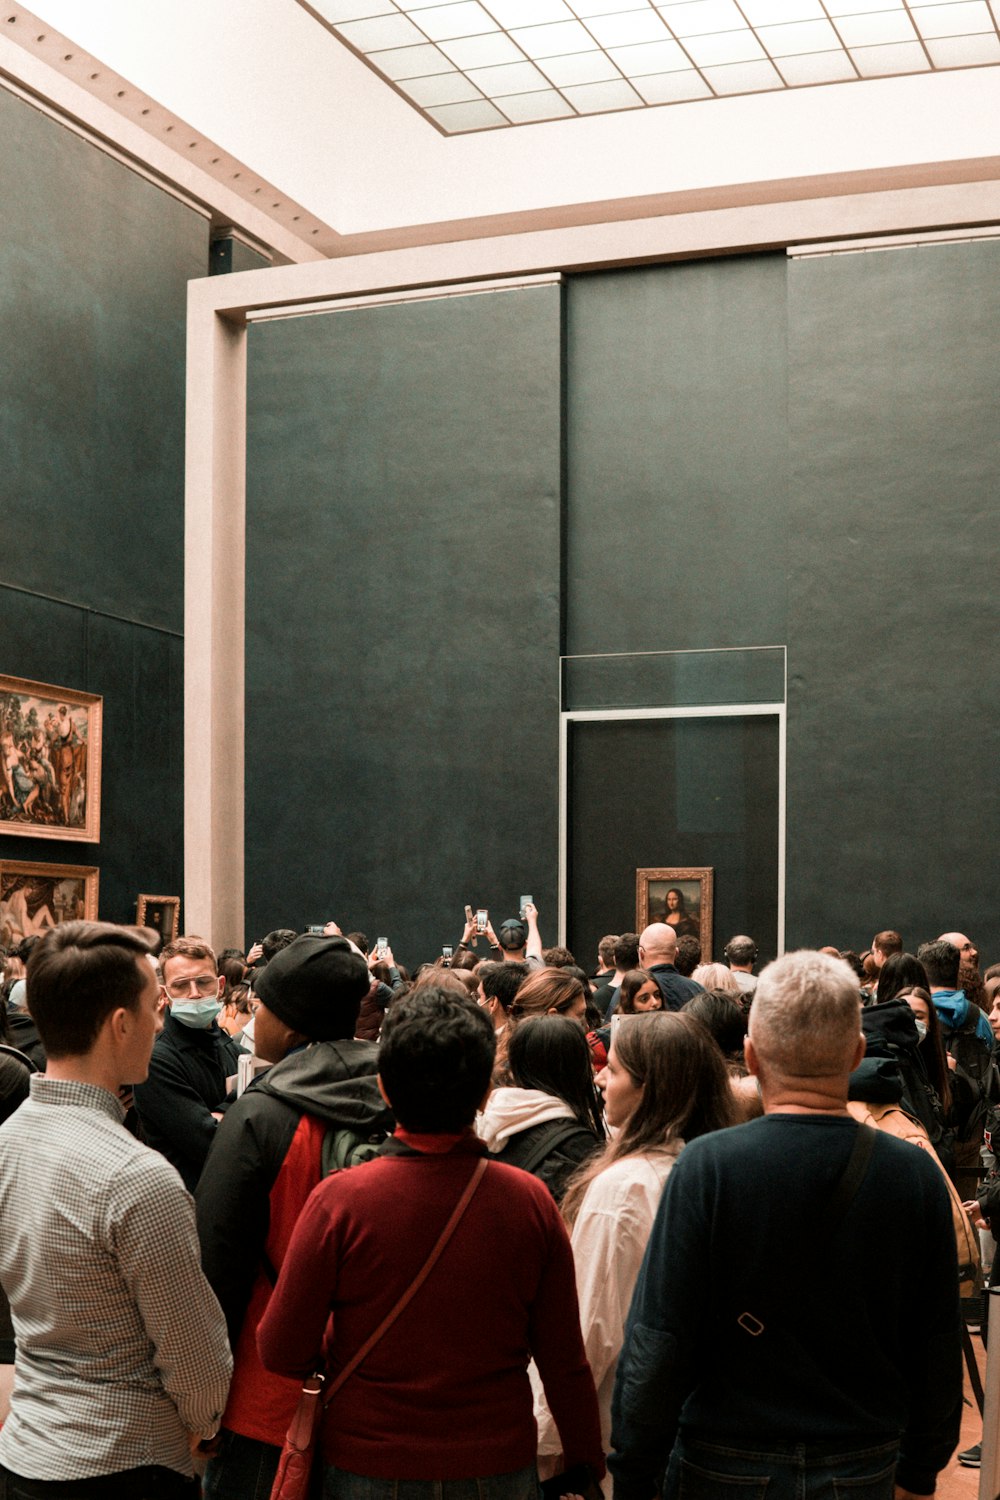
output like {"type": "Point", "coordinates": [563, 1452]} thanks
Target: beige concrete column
{"type": "Point", "coordinates": [214, 620]}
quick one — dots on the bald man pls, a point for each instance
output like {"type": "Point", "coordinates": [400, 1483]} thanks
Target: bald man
{"type": "Point", "coordinates": [657, 951]}
{"type": "Point", "coordinates": [968, 953]}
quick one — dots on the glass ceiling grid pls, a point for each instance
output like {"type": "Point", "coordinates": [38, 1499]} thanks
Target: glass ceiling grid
{"type": "Point", "coordinates": [470, 65]}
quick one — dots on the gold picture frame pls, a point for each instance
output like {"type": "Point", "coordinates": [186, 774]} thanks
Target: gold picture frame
{"type": "Point", "coordinates": [50, 761]}
{"type": "Point", "coordinates": [692, 916]}
{"type": "Point", "coordinates": [35, 897]}
{"type": "Point", "coordinates": [161, 913]}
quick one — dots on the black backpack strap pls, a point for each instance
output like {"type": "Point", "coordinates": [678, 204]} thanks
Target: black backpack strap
{"type": "Point", "coordinates": [546, 1137]}
{"type": "Point", "coordinates": [22, 1057]}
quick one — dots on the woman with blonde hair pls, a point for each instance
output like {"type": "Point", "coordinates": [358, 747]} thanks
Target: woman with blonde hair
{"type": "Point", "coordinates": [717, 977]}
{"type": "Point", "coordinates": [665, 1084]}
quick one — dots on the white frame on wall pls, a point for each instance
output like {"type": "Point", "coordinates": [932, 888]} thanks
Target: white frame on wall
{"type": "Point", "coordinates": [714, 711]}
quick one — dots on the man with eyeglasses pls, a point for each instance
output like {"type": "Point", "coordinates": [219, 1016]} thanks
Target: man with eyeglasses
{"type": "Point", "coordinates": [194, 1062]}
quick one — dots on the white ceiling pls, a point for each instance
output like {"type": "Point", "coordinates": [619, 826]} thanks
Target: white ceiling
{"type": "Point", "coordinates": [277, 91]}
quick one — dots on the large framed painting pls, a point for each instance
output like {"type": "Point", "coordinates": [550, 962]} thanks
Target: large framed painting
{"type": "Point", "coordinates": [162, 913]}
{"type": "Point", "coordinates": [680, 897]}
{"type": "Point", "coordinates": [50, 749]}
{"type": "Point", "coordinates": [34, 898]}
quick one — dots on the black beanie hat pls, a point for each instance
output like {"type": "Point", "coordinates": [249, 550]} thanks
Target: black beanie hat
{"type": "Point", "coordinates": [315, 986]}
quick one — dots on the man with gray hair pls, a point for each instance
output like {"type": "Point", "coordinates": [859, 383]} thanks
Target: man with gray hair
{"type": "Point", "coordinates": [741, 954]}
{"type": "Point", "coordinates": [760, 1349]}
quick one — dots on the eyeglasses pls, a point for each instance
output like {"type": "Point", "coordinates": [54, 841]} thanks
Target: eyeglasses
{"type": "Point", "coordinates": [205, 984]}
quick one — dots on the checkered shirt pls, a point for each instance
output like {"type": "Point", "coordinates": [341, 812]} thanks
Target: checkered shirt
{"type": "Point", "coordinates": [121, 1344]}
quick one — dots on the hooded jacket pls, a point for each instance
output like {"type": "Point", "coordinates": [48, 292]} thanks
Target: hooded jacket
{"type": "Point", "coordinates": [264, 1163]}
{"type": "Point", "coordinates": [518, 1123]}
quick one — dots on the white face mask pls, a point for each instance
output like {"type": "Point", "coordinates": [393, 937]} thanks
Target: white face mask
{"type": "Point", "coordinates": [921, 1028]}
{"type": "Point", "coordinates": [198, 1013]}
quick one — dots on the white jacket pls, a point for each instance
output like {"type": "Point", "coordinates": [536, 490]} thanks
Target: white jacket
{"type": "Point", "coordinates": [609, 1240]}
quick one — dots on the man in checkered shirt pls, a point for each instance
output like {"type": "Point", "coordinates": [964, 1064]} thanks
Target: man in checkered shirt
{"type": "Point", "coordinates": [122, 1361]}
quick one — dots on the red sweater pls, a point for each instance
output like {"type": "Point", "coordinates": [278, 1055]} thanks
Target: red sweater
{"type": "Point", "coordinates": [445, 1393]}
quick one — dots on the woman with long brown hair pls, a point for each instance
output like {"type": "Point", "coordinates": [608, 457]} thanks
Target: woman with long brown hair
{"type": "Point", "coordinates": [546, 992]}
{"type": "Point", "coordinates": [665, 1084]}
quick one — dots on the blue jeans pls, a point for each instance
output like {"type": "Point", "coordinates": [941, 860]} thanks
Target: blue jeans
{"type": "Point", "coordinates": [779, 1471]}
{"type": "Point", "coordinates": [522, 1484]}
{"type": "Point", "coordinates": [243, 1469]}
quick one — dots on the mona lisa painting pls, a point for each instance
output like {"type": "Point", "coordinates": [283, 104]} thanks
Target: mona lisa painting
{"type": "Point", "coordinates": [680, 897]}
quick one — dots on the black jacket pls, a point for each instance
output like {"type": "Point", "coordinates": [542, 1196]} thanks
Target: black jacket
{"type": "Point", "coordinates": [23, 1034]}
{"type": "Point", "coordinates": [550, 1151]}
{"type": "Point", "coordinates": [331, 1081]}
{"type": "Point", "coordinates": [674, 987]}
{"type": "Point", "coordinates": [189, 1075]}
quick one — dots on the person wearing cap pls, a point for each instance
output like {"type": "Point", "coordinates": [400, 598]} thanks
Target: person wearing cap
{"type": "Point", "coordinates": [194, 1062]}
{"type": "Point", "coordinates": [519, 941]}
{"type": "Point", "coordinates": [268, 1155]}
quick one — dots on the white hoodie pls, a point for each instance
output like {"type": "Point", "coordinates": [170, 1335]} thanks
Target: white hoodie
{"type": "Point", "coordinates": [509, 1111]}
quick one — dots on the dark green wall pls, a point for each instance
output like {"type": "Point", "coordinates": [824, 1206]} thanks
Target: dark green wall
{"type": "Point", "coordinates": [403, 516]}
{"type": "Point", "coordinates": [894, 737]}
{"type": "Point", "coordinates": [758, 451]}
{"type": "Point", "coordinates": [94, 265]}
{"type": "Point", "coordinates": [677, 465]}
{"type": "Point", "coordinates": [806, 452]}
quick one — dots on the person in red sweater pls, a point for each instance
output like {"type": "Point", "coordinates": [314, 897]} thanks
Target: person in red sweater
{"type": "Point", "coordinates": [444, 1396]}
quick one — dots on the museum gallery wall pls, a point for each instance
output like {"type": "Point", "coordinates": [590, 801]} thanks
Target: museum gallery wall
{"type": "Point", "coordinates": [94, 265]}
{"type": "Point", "coordinates": [755, 451]}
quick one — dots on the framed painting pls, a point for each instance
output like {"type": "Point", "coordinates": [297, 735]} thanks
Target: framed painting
{"type": "Point", "coordinates": [680, 897]}
{"type": "Point", "coordinates": [34, 898]}
{"type": "Point", "coordinates": [162, 913]}
{"type": "Point", "coordinates": [50, 749]}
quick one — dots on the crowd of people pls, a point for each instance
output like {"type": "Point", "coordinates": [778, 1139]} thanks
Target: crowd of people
{"type": "Point", "coordinates": [606, 1227]}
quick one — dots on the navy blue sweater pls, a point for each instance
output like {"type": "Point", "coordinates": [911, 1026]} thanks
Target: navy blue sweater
{"type": "Point", "coordinates": [862, 1333]}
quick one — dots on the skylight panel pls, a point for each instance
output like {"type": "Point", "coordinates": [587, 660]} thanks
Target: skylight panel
{"type": "Point", "coordinates": [579, 67]}
{"type": "Point", "coordinates": [965, 51]}
{"type": "Point", "coordinates": [443, 22]}
{"type": "Point", "coordinates": [486, 64]}
{"type": "Point", "coordinates": [724, 47]}
{"type": "Point", "coordinates": [628, 29]}
{"type": "Point", "coordinates": [654, 57]}
{"type": "Point", "coordinates": [805, 36]}
{"type": "Point", "coordinates": [524, 109]}
{"type": "Point", "coordinates": [381, 32]}
{"type": "Point", "coordinates": [549, 41]}
{"type": "Point", "coordinates": [880, 62]}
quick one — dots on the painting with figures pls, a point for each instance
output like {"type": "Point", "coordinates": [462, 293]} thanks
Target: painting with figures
{"type": "Point", "coordinates": [50, 747]}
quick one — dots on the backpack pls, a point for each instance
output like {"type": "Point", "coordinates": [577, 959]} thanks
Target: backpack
{"type": "Point", "coordinates": [971, 1077]}
{"type": "Point", "coordinates": [891, 1032]}
{"type": "Point", "coordinates": [343, 1147]}
{"type": "Point", "coordinates": [550, 1151]}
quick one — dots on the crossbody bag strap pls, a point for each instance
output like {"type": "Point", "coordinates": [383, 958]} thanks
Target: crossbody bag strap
{"type": "Point", "coordinates": [833, 1213]}
{"type": "Point", "coordinates": [846, 1190]}
{"type": "Point", "coordinates": [415, 1284]}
